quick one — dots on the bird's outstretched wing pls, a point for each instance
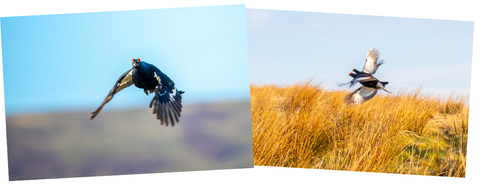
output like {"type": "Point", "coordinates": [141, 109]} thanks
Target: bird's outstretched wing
{"type": "Point", "coordinates": [123, 82]}
{"type": "Point", "coordinates": [371, 64]}
{"type": "Point", "coordinates": [361, 95]}
{"type": "Point", "coordinates": [167, 104]}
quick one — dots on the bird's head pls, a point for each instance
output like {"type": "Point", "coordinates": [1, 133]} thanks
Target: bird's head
{"type": "Point", "coordinates": [136, 63]}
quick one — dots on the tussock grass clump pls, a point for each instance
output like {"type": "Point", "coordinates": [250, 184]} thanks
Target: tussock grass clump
{"type": "Point", "coordinates": [407, 132]}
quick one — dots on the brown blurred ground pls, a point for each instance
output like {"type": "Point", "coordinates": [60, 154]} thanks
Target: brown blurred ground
{"type": "Point", "coordinates": [209, 136]}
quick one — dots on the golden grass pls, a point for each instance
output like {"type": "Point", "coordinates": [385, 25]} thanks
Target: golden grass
{"type": "Point", "coordinates": [408, 132]}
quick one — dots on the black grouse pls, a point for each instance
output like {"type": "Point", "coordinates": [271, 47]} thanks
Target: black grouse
{"type": "Point", "coordinates": [370, 84]}
{"type": "Point", "coordinates": [367, 91]}
{"type": "Point", "coordinates": [370, 66]}
{"type": "Point", "coordinates": [167, 101]}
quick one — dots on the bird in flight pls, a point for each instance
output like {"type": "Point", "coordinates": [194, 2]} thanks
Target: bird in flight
{"type": "Point", "coordinates": [370, 67]}
{"type": "Point", "coordinates": [167, 101]}
{"type": "Point", "coordinates": [370, 84]}
{"type": "Point", "coordinates": [367, 91]}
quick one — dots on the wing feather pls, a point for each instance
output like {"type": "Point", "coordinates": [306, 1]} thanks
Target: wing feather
{"type": "Point", "coordinates": [361, 77]}
{"type": "Point", "coordinates": [350, 98]}
{"type": "Point", "coordinates": [371, 62]}
{"type": "Point", "coordinates": [361, 95]}
{"type": "Point", "coordinates": [367, 93]}
{"type": "Point", "coordinates": [124, 81]}
{"type": "Point", "coordinates": [365, 78]}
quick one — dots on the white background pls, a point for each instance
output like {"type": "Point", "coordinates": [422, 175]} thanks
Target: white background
{"type": "Point", "coordinates": [446, 10]}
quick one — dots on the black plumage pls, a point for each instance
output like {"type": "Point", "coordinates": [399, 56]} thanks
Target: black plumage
{"type": "Point", "coordinates": [366, 80]}
{"type": "Point", "coordinates": [167, 100]}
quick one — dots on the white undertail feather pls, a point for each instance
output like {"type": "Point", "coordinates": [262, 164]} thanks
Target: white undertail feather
{"type": "Point", "coordinates": [380, 85]}
{"type": "Point", "coordinates": [174, 92]}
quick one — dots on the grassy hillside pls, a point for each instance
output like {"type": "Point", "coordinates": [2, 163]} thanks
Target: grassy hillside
{"type": "Point", "coordinates": [209, 136]}
{"type": "Point", "coordinates": [408, 132]}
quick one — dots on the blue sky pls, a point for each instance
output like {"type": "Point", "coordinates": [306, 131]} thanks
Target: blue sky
{"type": "Point", "coordinates": [71, 61]}
{"type": "Point", "coordinates": [286, 47]}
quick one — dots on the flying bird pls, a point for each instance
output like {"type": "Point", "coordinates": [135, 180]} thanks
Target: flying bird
{"type": "Point", "coordinates": [367, 91]}
{"type": "Point", "coordinates": [370, 84]}
{"type": "Point", "coordinates": [167, 100]}
{"type": "Point", "coordinates": [370, 67]}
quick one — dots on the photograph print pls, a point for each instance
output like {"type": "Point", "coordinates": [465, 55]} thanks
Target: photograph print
{"type": "Point", "coordinates": [359, 93]}
{"type": "Point", "coordinates": [126, 92]}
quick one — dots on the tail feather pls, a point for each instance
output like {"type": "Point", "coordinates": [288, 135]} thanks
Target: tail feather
{"type": "Point", "coordinates": [167, 105]}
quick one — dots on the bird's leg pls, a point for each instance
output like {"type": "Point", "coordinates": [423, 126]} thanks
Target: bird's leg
{"type": "Point", "coordinates": [386, 90]}
{"type": "Point", "coordinates": [159, 80]}
{"type": "Point", "coordinates": [159, 85]}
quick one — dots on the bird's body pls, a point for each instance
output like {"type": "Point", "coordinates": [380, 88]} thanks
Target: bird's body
{"type": "Point", "coordinates": [367, 91]}
{"type": "Point", "coordinates": [144, 79]}
{"type": "Point", "coordinates": [368, 80]}
{"type": "Point", "coordinates": [370, 84]}
{"type": "Point", "coordinates": [167, 101]}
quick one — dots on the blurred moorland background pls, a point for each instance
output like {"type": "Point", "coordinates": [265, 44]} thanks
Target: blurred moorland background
{"type": "Point", "coordinates": [209, 136]}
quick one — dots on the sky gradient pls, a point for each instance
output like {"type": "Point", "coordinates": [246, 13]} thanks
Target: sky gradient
{"type": "Point", "coordinates": [286, 47]}
{"type": "Point", "coordinates": [71, 61]}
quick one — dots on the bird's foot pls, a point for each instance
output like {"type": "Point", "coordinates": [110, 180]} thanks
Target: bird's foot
{"type": "Point", "coordinates": [386, 90]}
{"type": "Point", "coordinates": [159, 80]}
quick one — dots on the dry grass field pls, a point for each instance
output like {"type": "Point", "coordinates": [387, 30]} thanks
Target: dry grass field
{"type": "Point", "coordinates": [407, 132]}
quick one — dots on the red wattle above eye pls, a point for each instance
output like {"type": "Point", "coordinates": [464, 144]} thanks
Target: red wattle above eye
{"type": "Point", "coordinates": [133, 60]}
{"type": "Point", "coordinates": [138, 60]}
